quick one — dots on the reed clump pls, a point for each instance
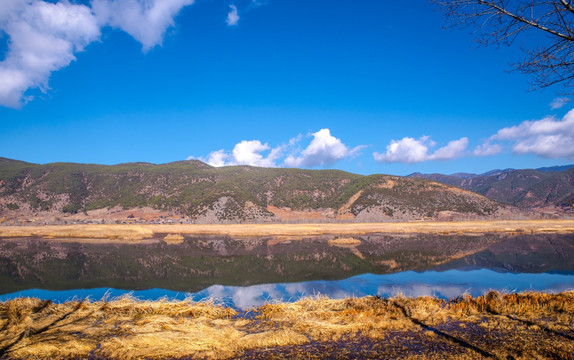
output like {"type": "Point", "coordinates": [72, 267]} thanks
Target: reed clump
{"type": "Point", "coordinates": [523, 325]}
{"type": "Point", "coordinates": [321, 318]}
{"type": "Point", "coordinates": [173, 239]}
{"type": "Point", "coordinates": [345, 241]}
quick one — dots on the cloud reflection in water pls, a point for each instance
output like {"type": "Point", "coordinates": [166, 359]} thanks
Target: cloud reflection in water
{"type": "Point", "coordinates": [447, 284]}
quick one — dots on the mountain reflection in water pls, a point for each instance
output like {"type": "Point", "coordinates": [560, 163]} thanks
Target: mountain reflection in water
{"type": "Point", "coordinates": [230, 269]}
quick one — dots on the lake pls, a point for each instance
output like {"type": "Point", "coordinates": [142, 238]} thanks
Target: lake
{"type": "Point", "coordinates": [249, 271]}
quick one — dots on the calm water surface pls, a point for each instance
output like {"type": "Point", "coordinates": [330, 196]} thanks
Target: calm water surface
{"type": "Point", "coordinates": [251, 271]}
{"type": "Point", "coordinates": [447, 285]}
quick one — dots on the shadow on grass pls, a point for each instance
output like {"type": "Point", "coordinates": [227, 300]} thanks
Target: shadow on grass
{"type": "Point", "coordinates": [28, 333]}
{"type": "Point", "coordinates": [455, 340]}
{"type": "Point", "coordinates": [532, 323]}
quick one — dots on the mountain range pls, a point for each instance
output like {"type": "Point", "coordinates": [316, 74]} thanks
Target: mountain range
{"type": "Point", "coordinates": [526, 189]}
{"type": "Point", "coordinates": [192, 191]}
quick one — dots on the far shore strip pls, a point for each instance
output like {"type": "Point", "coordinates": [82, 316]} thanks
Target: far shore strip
{"type": "Point", "coordinates": [145, 231]}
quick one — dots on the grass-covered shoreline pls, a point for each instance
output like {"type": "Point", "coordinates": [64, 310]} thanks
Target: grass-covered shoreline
{"type": "Point", "coordinates": [131, 233]}
{"type": "Point", "coordinates": [524, 325]}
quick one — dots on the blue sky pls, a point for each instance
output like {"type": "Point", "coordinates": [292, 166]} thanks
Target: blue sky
{"type": "Point", "coordinates": [367, 87]}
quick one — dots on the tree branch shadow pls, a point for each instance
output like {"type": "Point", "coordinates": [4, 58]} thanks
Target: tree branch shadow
{"type": "Point", "coordinates": [56, 323]}
{"type": "Point", "coordinates": [532, 323]}
{"type": "Point", "coordinates": [453, 339]}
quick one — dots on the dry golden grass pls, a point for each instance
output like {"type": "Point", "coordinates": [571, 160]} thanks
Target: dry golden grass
{"type": "Point", "coordinates": [173, 239]}
{"type": "Point", "coordinates": [348, 243]}
{"type": "Point", "coordinates": [122, 329]}
{"type": "Point", "coordinates": [112, 232]}
{"type": "Point", "coordinates": [324, 319]}
{"type": "Point", "coordinates": [451, 227]}
{"type": "Point", "coordinates": [529, 306]}
{"type": "Point", "coordinates": [128, 233]}
{"type": "Point", "coordinates": [345, 241]}
{"type": "Point", "coordinates": [528, 325]}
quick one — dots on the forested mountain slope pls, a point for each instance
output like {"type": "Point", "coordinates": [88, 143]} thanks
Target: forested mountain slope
{"type": "Point", "coordinates": [197, 192]}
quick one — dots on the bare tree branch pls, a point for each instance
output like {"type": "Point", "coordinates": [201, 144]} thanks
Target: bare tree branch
{"type": "Point", "coordinates": [521, 19]}
{"type": "Point", "coordinates": [503, 21]}
{"type": "Point", "coordinates": [567, 5]}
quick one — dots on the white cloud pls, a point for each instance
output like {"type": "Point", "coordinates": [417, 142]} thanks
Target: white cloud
{"type": "Point", "coordinates": [249, 153]}
{"type": "Point", "coordinates": [557, 103]}
{"type": "Point", "coordinates": [244, 153]}
{"type": "Point", "coordinates": [10, 7]}
{"type": "Point", "coordinates": [487, 149]}
{"type": "Point", "coordinates": [547, 126]}
{"type": "Point", "coordinates": [258, 3]}
{"type": "Point", "coordinates": [294, 141]}
{"type": "Point", "coordinates": [324, 149]}
{"type": "Point", "coordinates": [43, 38]}
{"type": "Point", "coordinates": [217, 158]}
{"type": "Point", "coordinates": [547, 146]}
{"type": "Point", "coordinates": [548, 138]}
{"type": "Point", "coordinates": [410, 150]}
{"type": "Point", "coordinates": [145, 20]}
{"type": "Point", "coordinates": [452, 150]}
{"type": "Point", "coordinates": [233, 13]}
{"type": "Point", "coordinates": [232, 16]}
{"type": "Point", "coordinates": [406, 150]}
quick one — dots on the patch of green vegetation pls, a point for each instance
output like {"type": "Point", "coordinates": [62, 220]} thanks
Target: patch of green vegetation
{"type": "Point", "coordinates": [12, 206]}
{"type": "Point", "coordinates": [71, 208]}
